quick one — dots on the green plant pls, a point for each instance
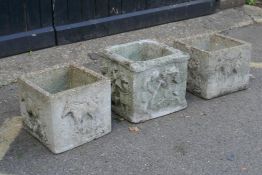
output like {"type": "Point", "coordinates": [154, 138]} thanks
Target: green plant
{"type": "Point", "coordinates": [251, 2]}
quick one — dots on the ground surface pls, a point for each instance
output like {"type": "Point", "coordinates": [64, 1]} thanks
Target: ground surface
{"type": "Point", "coordinates": [222, 136]}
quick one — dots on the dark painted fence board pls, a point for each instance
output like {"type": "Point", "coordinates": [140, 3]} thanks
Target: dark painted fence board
{"type": "Point", "coordinates": [33, 18]}
{"type": "Point", "coordinates": [154, 3]}
{"type": "Point", "coordinates": [88, 9]}
{"type": "Point", "coordinates": [74, 10]}
{"type": "Point", "coordinates": [27, 26]}
{"type": "Point", "coordinates": [160, 3]}
{"type": "Point", "coordinates": [132, 6]}
{"type": "Point", "coordinates": [140, 4]}
{"type": "Point", "coordinates": [200, 7]}
{"type": "Point", "coordinates": [60, 14]}
{"type": "Point", "coordinates": [127, 6]}
{"type": "Point", "coordinates": [46, 12]}
{"type": "Point", "coordinates": [115, 7]}
{"type": "Point", "coordinates": [101, 8]}
{"type": "Point", "coordinates": [17, 16]}
{"type": "Point", "coordinates": [4, 17]}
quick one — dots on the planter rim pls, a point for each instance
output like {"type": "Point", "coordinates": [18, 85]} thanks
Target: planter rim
{"type": "Point", "coordinates": [26, 79]}
{"type": "Point", "coordinates": [176, 56]}
{"type": "Point", "coordinates": [190, 46]}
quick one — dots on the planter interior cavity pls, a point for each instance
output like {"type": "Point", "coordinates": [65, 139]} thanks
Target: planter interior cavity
{"type": "Point", "coordinates": [212, 43]}
{"type": "Point", "coordinates": [65, 107]}
{"type": "Point", "coordinates": [148, 79]}
{"type": "Point", "coordinates": [141, 51]}
{"type": "Point", "coordinates": [62, 79]}
{"type": "Point", "coordinates": [219, 64]}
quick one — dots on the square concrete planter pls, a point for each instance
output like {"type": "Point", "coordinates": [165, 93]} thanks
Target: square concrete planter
{"type": "Point", "coordinates": [219, 64]}
{"type": "Point", "coordinates": [65, 107]}
{"type": "Point", "coordinates": [148, 79]}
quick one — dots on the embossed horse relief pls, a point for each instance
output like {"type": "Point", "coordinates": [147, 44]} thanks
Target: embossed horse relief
{"type": "Point", "coordinates": [158, 88]}
{"type": "Point", "coordinates": [82, 115]}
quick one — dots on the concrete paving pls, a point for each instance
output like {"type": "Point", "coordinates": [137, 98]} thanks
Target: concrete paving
{"type": "Point", "coordinates": [216, 137]}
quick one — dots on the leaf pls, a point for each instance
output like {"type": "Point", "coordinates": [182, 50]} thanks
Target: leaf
{"type": "Point", "coordinates": [243, 168]}
{"type": "Point", "coordinates": [134, 129]}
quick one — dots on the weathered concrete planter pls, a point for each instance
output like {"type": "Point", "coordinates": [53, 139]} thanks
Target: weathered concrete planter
{"type": "Point", "coordinates": [148, 79]}
{"type": "Point", "coordinates": [65, 107]}
{"type": "Point", "coordinates": [219, 65]}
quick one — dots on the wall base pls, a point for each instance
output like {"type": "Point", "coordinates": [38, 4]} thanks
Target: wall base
{"type": "Point", "coordinates": [132, 21]}
{"type": "Point", "coordinates": [26, 41]}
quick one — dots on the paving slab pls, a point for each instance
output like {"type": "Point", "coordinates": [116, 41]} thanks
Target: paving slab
{"type": "Point", "coordinates": [254, 12]}
{"type": "Point", "coordinates": [12, 67]}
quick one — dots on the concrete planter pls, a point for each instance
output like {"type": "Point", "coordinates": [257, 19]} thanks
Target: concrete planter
{"type": "Point", "coordinates": [219, 65]}
{"type": "Point", "coordinates": [65, 107]}
{"type": "Point", "coordinates": [148, 79]}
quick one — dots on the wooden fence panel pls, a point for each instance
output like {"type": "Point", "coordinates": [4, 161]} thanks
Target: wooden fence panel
{"type": "Point", "coordinates": [74, 10]}
{"type": "Point", "coordinates": [132, 6]}
{"type": "Point", "coordinates": [25, 25]}
{"type": "Point", "coordinates": [4, 17]}
{"type": "Point", "coordinates": [115, 7]}
{"type": "Point", "coordinates": [42, 23]}
{"type": "Point", "coordinates": [17, 16]}
{"type": "Point", "coordinates": [46, 13]}
{"type": "Point", "coordinates": [33, 18]}
{"type": "Point", "coordinates": [160, 3]}
{"type": "Point", "coordinates": [60, 12]}
{"type": "Point", "coordinates": [88, 9]}
{"type": "Point", "coordinates": [102, 8]}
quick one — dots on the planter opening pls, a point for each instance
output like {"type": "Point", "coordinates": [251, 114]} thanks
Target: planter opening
{"type": "Point", "coordinates": [62, 79]}
{"type": "Point", "coordinates": [141, 51]}
{"type": "Point", "coordinates": [212, 43]}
